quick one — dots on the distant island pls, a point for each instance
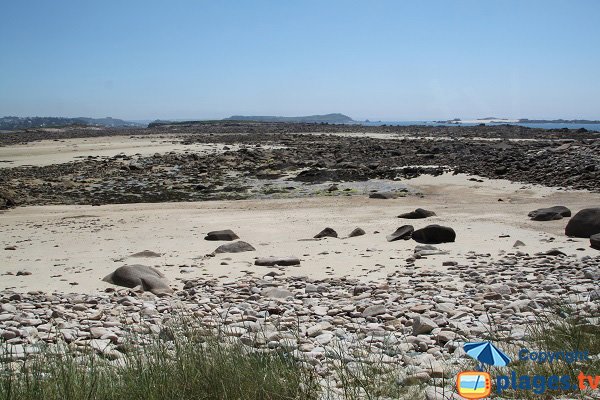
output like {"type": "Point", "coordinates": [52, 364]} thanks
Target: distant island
{"type": "Point", "coordinates": [10, 123]}
{"type": "Point", "coordinates": [518, 121]}
{"type": "Point", "coordinates": [336, 118]}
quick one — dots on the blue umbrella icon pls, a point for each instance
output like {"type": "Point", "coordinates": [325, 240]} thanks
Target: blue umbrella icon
{"type": "Point", "coordinates": [487, 353]}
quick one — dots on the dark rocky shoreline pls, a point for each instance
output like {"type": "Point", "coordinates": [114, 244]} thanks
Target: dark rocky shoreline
{"type": "Point", "coordinates": [284, 152]}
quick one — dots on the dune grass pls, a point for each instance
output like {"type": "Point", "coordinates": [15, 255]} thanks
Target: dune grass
{"type": "Point", "coordinates": [179, 369]}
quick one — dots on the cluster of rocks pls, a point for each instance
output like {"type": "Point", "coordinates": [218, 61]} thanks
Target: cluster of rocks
{"type": "Point", "coordinates": [415, 320]}
{"type": "Point", "coordinates": [585, 224]}
{"type": "Point", "coordinates": [147, 278]}
{"type": "Point", "coordinates": [271, 151]}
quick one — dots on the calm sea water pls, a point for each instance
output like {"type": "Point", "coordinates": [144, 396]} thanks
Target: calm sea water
{"type": "Point", "coordinates": [589, 127]}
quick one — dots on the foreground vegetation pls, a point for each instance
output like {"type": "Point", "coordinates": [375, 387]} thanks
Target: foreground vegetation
{"type": "Point", "coordinates": [181, 369]}
{"type": "Point", "coordinates": [184, 363]}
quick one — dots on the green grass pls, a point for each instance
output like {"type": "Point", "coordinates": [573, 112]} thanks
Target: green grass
{"type": "Point", "coordinates": [185, 368]}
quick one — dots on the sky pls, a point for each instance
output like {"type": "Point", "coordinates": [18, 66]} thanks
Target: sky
{"type": "Point", "coordinates": [377, 59]}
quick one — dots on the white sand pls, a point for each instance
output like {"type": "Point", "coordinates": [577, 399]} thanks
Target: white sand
{"type": "Point", "coordinates": [83, 243]}
{"type": "Point", "coordinates": [47, 152]}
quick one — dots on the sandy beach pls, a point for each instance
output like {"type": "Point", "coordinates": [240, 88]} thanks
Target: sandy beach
{"type": "Point", "coordinates": [71, 248]}
{"type": "Point", "coordinates": [48, 152]}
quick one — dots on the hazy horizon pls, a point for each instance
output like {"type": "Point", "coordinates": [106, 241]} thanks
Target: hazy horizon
{"type": "Point", "coordinates": [388, 61]}
{"type": "Point", "coordinates": [272, 115]}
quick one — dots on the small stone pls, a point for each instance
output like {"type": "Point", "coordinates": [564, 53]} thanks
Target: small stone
{"type": "Point", "coordinates": [8, 335]}
{"type": "Point", "coordinates": [446, 336]}
{"type": "Point", "coordinates": [280, 261]}
{"type": "Point", "coordinates": [100, 345]}
{"type": "Point", "coordinates": [419, 213]}
{"type": "Point", "coordinates": [327, 232]}
{"type": "Point", "coordinates": [226, 234]}
{"type": "Point", "coordinates": [404, 232]}
{"type": "Point", "coordinates": [317, 329]}
{"type": "Point", "coordinates": [98, 332]}
{"type": "Point", "coordinates": [357, 232]}
{"type": "Point", "coordinates": [324, 338]}
{"type": "Point", "coordinates": [383, 195]}
{"type": "Point", "coordinates": [595, 241]}
{"type": "Point", "coordinates": [146, 254]}
{"type": "Point", "coordinates": [8, 308]}
{"type": "Point", "coordinates": [320, 310]}
{"type": "Point", "coordinates": [310, 288]}
{"type": "Point", "coordinates": [374, 310]}
{"type": "Point", "coordinates": [422, 325]}
{"type": "Point", "coordinates": [235, 247]}
{"type": "Point", "coordinates": [449, 263]}
{"type": "Point", "coordinates": [277, 293]}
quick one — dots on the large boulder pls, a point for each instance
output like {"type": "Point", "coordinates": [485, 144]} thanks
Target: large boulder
{"type": "Point", "coordinates": [226, 234]}
{"type": "Point", "coordinates": [419, 213]}
{"type": "Point", "coordinates": [584, 224]}
{"type": "Point", "coordinates": [235, 247]}
{"type": "Point", "coordinates": [434, 234]}
{"type": "Point", "coordinates": [147, 277]}
{"type": "Point", "coordinates": [550, 213]}
{"type": "Point", "coordinates": [595, 241]}
{"type": "Point", "coordinates": [327, 232]}
{"type": "Point", "coordinates": [404, 232]}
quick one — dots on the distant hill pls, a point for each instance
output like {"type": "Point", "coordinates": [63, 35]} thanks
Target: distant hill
{"type": "Point", "coordinates": [327, 118]}
{"type": "Point", "coordinates": [10, 123]}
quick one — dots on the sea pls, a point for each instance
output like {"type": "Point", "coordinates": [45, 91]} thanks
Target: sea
{"type": "Point", "coordinates": [548, 125]}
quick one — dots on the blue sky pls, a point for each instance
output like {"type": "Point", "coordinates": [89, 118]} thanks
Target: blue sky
{"type": "Point", "coordinates": [389, 60]}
